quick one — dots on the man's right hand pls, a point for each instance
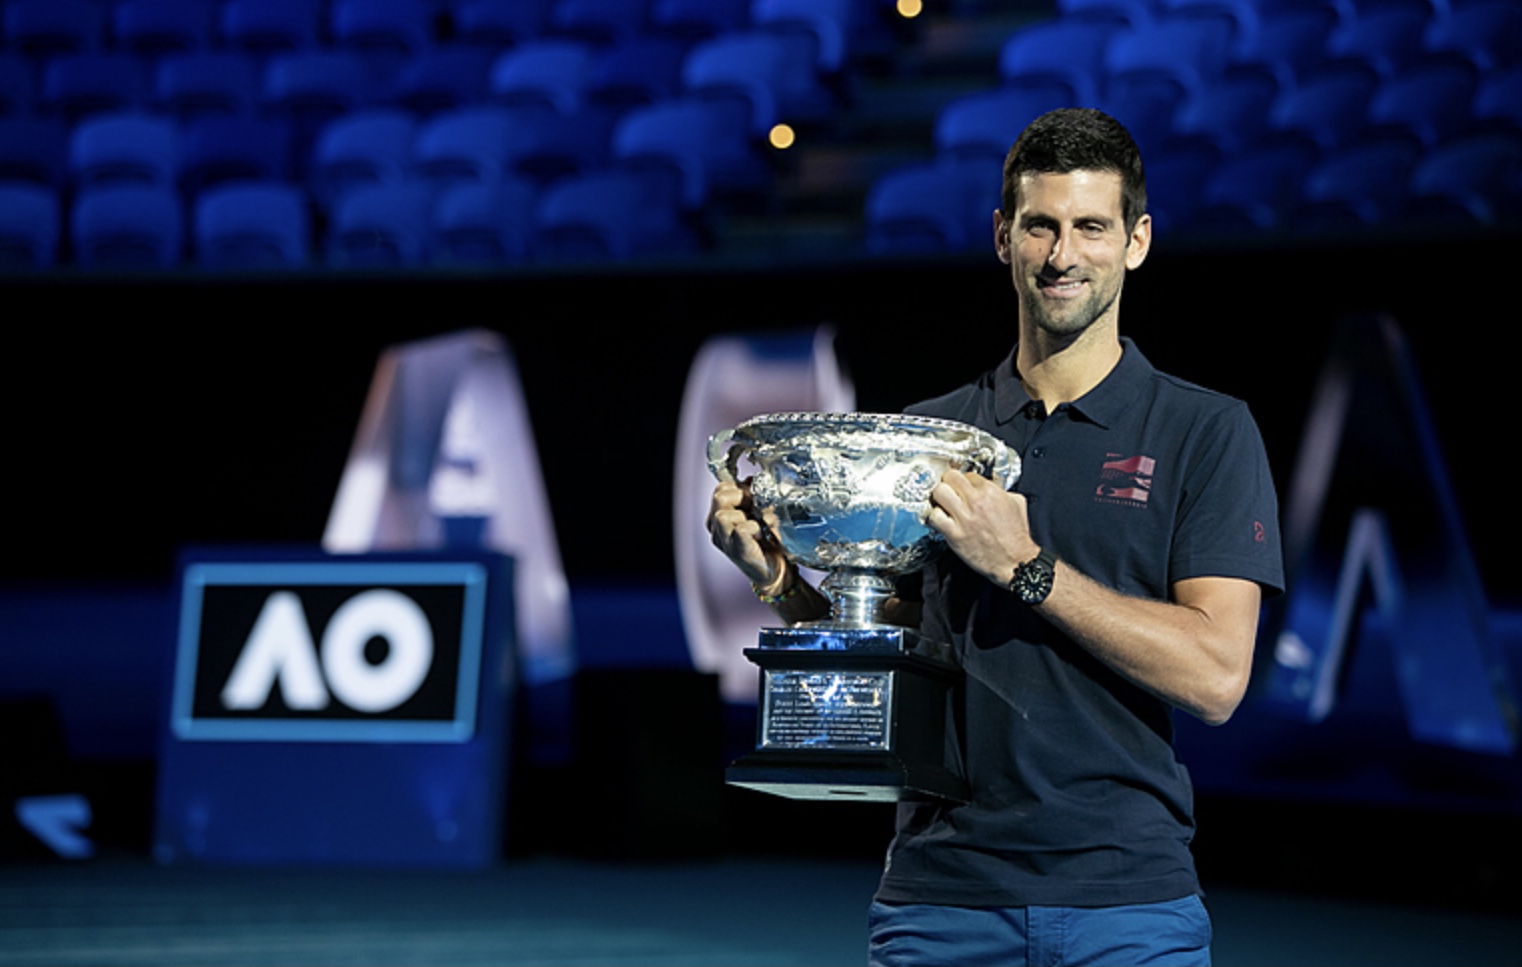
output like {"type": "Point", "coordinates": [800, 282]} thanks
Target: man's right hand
{"type": "Point", "coordinates": [742, 538]}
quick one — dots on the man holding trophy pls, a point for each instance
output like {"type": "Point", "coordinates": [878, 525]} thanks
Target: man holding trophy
{"type": "Point", "coordinates": [1119, 579]}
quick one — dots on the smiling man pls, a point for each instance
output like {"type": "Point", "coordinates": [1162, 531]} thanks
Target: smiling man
{"type": "Point", "coordinates": [1119, 582]}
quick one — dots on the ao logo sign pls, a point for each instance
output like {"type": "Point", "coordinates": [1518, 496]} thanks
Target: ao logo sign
{"type": "Point", "coordinates": [344, 651]}
{"type": "Point", "coordinates": [280, 650]}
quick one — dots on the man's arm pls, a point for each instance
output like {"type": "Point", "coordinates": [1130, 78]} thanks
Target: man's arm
{"type": "Point", "coordinates": [1194, 650]}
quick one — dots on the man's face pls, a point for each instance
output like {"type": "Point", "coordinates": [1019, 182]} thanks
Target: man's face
{"type": "Point", "coordinates": [1068, 249]}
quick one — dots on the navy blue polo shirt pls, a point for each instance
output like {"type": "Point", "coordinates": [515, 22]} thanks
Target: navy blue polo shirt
{"type": "Point", "coordinates": [1078, 796]}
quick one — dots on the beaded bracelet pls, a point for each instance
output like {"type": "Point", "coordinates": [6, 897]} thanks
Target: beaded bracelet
{"type": "Point", "coordinates": [780, 596]}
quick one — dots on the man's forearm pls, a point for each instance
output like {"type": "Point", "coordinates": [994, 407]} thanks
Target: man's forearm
{"type": "Point", "coordinates": [1194, 651]}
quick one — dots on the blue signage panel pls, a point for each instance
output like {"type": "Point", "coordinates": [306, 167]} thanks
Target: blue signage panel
{"type": "Point", "coordinates": [343, 650]}
{"type": "Point", "coordinates": [344, 709]}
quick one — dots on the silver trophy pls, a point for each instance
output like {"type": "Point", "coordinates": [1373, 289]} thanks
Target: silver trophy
{"type": "Point", "coordinates": [852, 706]}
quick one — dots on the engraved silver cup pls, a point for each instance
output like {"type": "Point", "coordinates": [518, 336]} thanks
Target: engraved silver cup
{"type": "Point", "coordinates": [848, 493]}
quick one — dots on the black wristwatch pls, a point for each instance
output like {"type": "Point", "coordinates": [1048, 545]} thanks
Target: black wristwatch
{"type": "Point", "coordinates": [1032, 581]}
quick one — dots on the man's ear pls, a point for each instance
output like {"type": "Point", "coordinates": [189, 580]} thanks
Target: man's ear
{"type": "Point", "coordinates": [1140, 242]}
{"type": "Point", "coordinates": [1001, 237]}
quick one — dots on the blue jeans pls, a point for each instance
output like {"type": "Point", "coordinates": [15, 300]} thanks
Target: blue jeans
{"type": "Point", "coordinates": [1176, 932]}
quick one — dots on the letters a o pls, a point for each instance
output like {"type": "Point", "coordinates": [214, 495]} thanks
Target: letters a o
{"type": "Point", "coordinates": [379, 687]}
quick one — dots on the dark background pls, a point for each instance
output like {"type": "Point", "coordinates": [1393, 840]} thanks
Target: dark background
{"type": "Point", "coordinates": [146, 413]}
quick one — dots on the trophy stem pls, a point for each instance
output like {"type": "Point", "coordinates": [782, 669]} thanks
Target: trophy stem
{"type": "Point", "coordinates": [857, 597]}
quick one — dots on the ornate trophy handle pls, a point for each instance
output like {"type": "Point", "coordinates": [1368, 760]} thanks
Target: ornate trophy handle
{"type": "Point", "coordinates": [724, 460]}
{"type": "Point", "coordinates": [1004, 466]}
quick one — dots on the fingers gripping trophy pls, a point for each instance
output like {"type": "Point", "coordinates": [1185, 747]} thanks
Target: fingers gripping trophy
{"type": "Point", "coordinates": [852, 706]}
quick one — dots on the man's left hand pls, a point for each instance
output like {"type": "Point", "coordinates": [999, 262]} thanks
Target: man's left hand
{"type": "Point", "coordinates": [985, 525]}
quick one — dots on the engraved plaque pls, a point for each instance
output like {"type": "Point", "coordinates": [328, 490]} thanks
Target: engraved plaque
{"type": "Point", "coordinates": [827, 710]}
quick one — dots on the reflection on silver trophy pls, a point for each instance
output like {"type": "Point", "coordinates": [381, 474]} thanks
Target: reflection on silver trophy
{"type": "Point", "coordinates": [850, 705]}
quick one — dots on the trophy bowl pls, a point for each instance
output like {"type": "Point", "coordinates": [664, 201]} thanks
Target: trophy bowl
{"type": "Point", "coordinates": [849, 493]}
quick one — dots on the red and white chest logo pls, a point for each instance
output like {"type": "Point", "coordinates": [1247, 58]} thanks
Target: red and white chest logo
{"type": "Point", "coordinates": [1125, 480]}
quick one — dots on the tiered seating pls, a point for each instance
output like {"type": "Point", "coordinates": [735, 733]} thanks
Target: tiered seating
{"type": "Point", "coordinates": [410, 102]}
{"type": "Point", "coordinates": [1274, 115]}
{"type": "Point", "coordinates": [388, 119]}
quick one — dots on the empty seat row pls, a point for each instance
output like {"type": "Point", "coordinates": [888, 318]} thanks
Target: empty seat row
{"type": "Point", "coordinates": [602, 216]}
{"type": "Point", "coordinates": [1250, 113]}
{"type": "Point", "coordinates": [1149, 70]}
{"type": "Point", "coordinates": [946, 205]}
{"type": "Point", "coordinates": [775, 71]}
{"type": "Point", "coordinates": [706, 144]}
{"type": "Point", "coordinates": [391, 28]}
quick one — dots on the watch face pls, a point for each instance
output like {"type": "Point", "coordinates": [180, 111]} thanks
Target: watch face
{"type": "Point", "coordinates": [1032, 581]}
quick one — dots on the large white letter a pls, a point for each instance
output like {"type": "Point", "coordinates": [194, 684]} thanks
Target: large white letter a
{"type": "Point", "coordinates": [279, 647]}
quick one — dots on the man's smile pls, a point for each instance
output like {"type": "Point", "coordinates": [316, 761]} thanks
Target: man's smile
{"type": "Point", "coordinates": [1060, 288]}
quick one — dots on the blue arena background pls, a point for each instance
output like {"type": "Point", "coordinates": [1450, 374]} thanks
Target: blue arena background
{"type": "Point", "coordinates": [175, 383]}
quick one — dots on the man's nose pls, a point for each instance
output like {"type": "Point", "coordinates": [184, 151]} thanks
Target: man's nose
{"type": "Point", "coordinates": [1061, 255]}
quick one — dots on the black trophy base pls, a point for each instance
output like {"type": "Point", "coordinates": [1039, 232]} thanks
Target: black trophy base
{"type": "Point", "coordinates": [844, 777]}
{"type": "Point", "coordinates": [850, 714]}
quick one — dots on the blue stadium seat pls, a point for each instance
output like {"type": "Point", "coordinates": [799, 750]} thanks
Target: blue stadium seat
{"type": "Point", "coordinates": [556, 146]}
{"type": "Point", "coordinates": [1487, 32]}
{"type": "Point", "coordinates": [1425, 104]}
{"type": "Point", "coordinates": [30, 226]}
{"type": "Point", "coordinates": [984, 125]}
{"type": "Point", "coordinates": [552, 73]}
{"type": "Point", "coordinates": [43, 29]}
{"type": "Point", "coordinates": [1068, 53]}
{"type": "Point", "coordinates": [381, 227]}
{"type": "Point", "coordinates": [1253, 190]}
{"type": "Point", "coordinates": [34, 150]}
{"type": "Point", "coordinates": [637, 73]}
{"type": "Point", "coordinates": [1174, 176]}
{"type": "Point", "coordinates": [1152, 69]}
{"type": "Point", "coordinates": [705, 146]}
{"type": "Point", "coordinates": [1498, 101]}
{"type": "Point", "coordinates": [309, 88]}
{"type": "Point", "coordinates": [111, 149]}
{"type": "Point", "coordinates": [372, 146]}
{"type": "Point", "coordinates": [1386, 37]}
{"type": "Point", "coordinates": [608, 216]}
{"type": "Point", "coordinates": [495, 25]}
{"type": "Point", "coordinates": [75, 86]}
{"type": "Point", "coordinates": [1470, 180]}
{"type": "Point", "coordinates": [943, 207]}
{"type": "Point", "coordinates": [128, 227]}
{"type": "Point", "coordinates": [1116, 13]}
{"type": "Point", "coordinates": [254, 225]}
{"type": "Point", "coordinates": [1227, 115]}
{"type": "Point", "coordinates": [266, 28]}
{"type": "Point", "coordinates": [483, 223]}
{"type": "Point", "coordinates": [1242, 17]}
{"type": "Point", "coordinates": [216, 150]}
{"type": "Point", "coordinates": [1358, 186]}
{"type": "Point", "coordinates": [207, 82]}
{"type": "Point", "coordinates": [18, 87]}
{"type": "Point", "coordinates": [1326, 108]}
{"type": "Point", "coordinates": [698, 19]}
{"type": "Point", "coordinates": [383, 33]}
{"type": "Point", "coordinates": [603, 23]}
{"type": "Point", "coordinates": [831, 25]}
{"type": "Point", "coordinates": [1288, 42]}
{"type": "Point", "coordinates": [773, 75]}
{"type": "Point", "coordinates": [478, 144]}
{"type": "Point", "coordinates": [441, 78]}
{"type": "Point", "coordinates": [154, 28]}
{"type": "Point", "coordinates": [1185, 50]}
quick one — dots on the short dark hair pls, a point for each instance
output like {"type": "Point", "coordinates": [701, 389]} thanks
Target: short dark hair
{"type": "Point", "coordinates": [1078, 139]}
